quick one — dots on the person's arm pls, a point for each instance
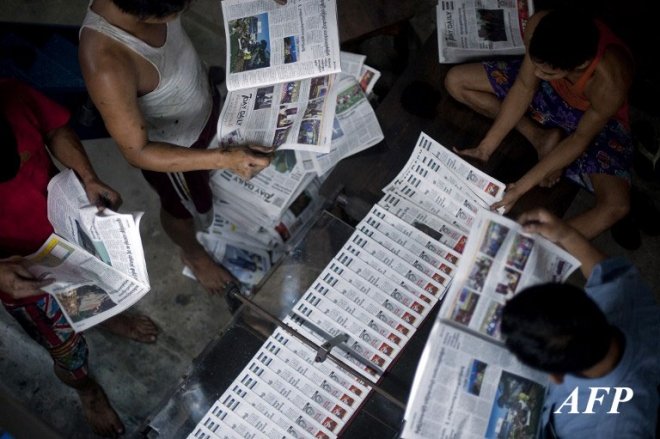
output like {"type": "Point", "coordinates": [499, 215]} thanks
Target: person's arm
{"type": "Point", "coordinates": [606, 93]}
{"type": "Point", "coordinates": [111, 80]}
{"type": "Point", "coordinates": [517, 101]}
{"type": "Point", "coordinates": [556, 230]}
{"type": "Point", "coordinates": [17, 281]}
{"type": "Point", "coordinates": [514, 106]}
{"type": "Point", "coordinates": [65, 146]}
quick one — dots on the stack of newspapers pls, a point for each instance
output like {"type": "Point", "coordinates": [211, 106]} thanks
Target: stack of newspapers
{"type": "Point", "coordinates": [398, 264]}
{"type": "Point", "coordinates": [291, 89]}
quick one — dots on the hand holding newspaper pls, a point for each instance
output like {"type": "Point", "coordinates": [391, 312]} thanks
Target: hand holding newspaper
{"type": "Point", "coordinates": [467, 382]}
{"type": "Point", "coordinates": [96, 258]}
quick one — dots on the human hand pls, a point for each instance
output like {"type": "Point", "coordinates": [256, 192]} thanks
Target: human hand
{"type": "Point", "coordinates": [545, 224]}
{"type": "Point", "coordinates": [511, 196]}
{"type": "Point", "coordinates": [17, 281]}
{"type": "Point", "coordinates": [246, 162]}
{"type": "Point", "coordinates": [102, 195]}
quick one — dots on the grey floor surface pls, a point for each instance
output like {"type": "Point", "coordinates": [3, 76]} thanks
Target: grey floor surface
{"type": "Point", "coordinates": [138, 377]}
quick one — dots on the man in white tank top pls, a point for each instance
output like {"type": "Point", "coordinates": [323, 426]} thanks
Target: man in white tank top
{"type": "Point", "coordinates": [152, 91]}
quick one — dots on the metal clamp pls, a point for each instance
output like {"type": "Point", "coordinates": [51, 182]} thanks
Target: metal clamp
{"type": "Point", "coordinates": [325, 348]}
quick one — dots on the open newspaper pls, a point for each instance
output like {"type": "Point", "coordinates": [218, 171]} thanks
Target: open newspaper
{"type": "Point", "coordinates": [471, 29]}
{"type": "Point", "coordinates": [376, 291]}
{"type": "Point", "coordinates": [281, 61]}
{"type": "Point", "coordinates": [96, 258]}
{"type": "Point", "coordinates": [467, 384]}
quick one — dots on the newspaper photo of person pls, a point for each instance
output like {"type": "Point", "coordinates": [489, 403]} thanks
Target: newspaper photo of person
{"type": "Point", "coordinates": [264, 98]}
{"type": "Point", "coordinates": [84, 301]}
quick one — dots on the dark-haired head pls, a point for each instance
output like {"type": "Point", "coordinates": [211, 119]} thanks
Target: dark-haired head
{"type": "Point", "coordinates": [564, 39]}
{"type": "Point", "coordinates": [556, 328]}
{"type": "Point", "coordinates": [152, 8]}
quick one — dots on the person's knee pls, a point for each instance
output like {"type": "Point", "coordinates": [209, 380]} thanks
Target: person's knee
{"type": "Point", "coordinates": [455, 84]}
{"type": "Point", "coordinates": [614, 209]}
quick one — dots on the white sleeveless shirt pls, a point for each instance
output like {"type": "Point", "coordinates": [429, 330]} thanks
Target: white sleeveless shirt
{"type": "Point", "coordinates": [177, 110]}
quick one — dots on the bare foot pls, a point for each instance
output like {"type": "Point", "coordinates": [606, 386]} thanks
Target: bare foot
{"type": "Point", "coordinates": [212, 276]}
{"type": "Point", "coordinates": [99, 413]}
{"type": "Point", "coordinates": [475, 153]}
{"type": "Point", "coordinates": [136, 327]}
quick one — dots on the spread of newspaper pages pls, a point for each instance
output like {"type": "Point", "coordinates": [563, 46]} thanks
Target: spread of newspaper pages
{"type": "Point", "coordinates": [96, 258]}
{"type": "Point", "coordinates": [397, 265]}
{"type": "Point", "coordinates": [466, 381]}
{"type": "Point", "coordinates": [281, 63]}
{"type": "Point", "coordinates": [471, 29]}
{"type": "Point", "coordinates": [290, 88]}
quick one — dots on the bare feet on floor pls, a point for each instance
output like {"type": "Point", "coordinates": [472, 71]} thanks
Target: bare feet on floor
{"type": "Point", "coordinates": [476, 153]}
{"type": "Point", "coordinates": [136, 327]}
{"type": "Point", "coordinates": [212, 276]}
{"type": "Point", "coordinates": [99, 413]}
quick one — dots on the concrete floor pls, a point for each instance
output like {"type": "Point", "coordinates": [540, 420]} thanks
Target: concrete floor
{"type": "Point", "coordinates": [138, 377]}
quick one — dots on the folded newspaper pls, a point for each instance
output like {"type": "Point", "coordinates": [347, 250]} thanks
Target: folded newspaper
{"type": "Point", "coordinates": [472, 29]}
{"type": "Point", "coordinates": [96, 258]}
{"type": "Point", "coordinates": [281, 62]}
{"type": "Point", "coordinates": [467, 384]}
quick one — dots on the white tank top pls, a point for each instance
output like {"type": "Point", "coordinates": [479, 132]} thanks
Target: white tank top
{"type": "Point", "coordinates": [177, 110]}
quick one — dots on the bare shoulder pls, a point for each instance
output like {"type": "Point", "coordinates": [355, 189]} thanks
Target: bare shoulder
{"type": "Point", "coordinates": [613, 75]}
{"type": "Point", "coordinates": [617, 65]}
{"type": "Point", "coordinates": [105, 64]}
{"type": "Point", "coordinates": [608, 88]}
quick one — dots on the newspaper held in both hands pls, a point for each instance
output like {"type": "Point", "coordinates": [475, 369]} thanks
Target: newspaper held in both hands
{"type": "Point", "coordinates": [96, 258]}
{"type": "Point", "coordinates": [467, 382]}
{"type": "Point", "coordinates": [499, 261]}
{"type": "Point", "coordinates": [471, 29]}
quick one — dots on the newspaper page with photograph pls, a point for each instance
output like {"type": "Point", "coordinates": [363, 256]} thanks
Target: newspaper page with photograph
{"type": "Point", "coordinates": [471, 29]}
{"type": "Point", "coordinates": [296, 115]}
{"type": "Point", "coordinates": [467, 383]}
{"type": "Point", "coordinates": [268, 194]}
{"type": "Point", "coordinates": [470, 388]}
{"type": "Point", "coordinates": [88, 290]}
{"type": "Point", "coordinates": [248, 265]}
{"type": "Point", "coordinates": [499, 261]}
{"type": "Point", "coordinates": [268, 43]}
{"type": "Point", "coordinates": [112, 237]}
{"type": "Point", "coordinates": [355, 127]}
{"type": "Point", "coordinates": [231, 224]}
{"type": "Point", "coordinates": [368, 77]}
{"type": "Point", "coordinates": [96, 258]}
